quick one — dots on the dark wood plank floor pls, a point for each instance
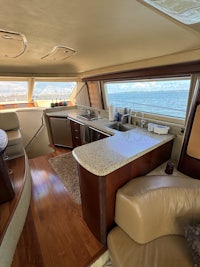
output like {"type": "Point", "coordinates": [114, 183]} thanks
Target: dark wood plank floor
{"type": "Point", "coordinates": [55, 233]}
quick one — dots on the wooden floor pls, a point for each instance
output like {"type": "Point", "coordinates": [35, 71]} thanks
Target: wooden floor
{"type": "Point", "coordinates": [55, 233]}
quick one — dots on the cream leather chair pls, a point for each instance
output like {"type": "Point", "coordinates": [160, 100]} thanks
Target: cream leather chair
{"type": "Point", "coordinates": [9, 122]}
{"type": "Point", "coordinates": [151, 214]}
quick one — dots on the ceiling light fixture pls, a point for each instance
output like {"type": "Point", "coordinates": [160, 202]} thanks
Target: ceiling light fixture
{"type": "Point", "coordinates": [185, 11]}
{"type": "Point", "coordinates": [59, 52]}
{"type": "Point", "coordinates": [12, 44]}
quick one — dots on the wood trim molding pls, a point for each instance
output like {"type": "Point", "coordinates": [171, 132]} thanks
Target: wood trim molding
{"type": "Point", "coordinates": [95, 95]}
{"type": "Point", "coordinates": [161, 71]}
{"type": "Point", "coordinates": [187, 164]}
{"type": "Point", "coordinates": [17, 105]}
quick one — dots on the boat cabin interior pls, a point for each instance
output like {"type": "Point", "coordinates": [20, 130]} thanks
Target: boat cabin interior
{"type": "Point", "coordinates": [100, 133]}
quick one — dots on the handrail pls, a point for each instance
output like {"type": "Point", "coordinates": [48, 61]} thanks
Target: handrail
{"type": "Point", "coordinates": [153, 106]}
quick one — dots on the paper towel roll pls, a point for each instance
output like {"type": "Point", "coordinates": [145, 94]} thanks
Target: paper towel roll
{"type": "Point", "coordinates": [111, 113]}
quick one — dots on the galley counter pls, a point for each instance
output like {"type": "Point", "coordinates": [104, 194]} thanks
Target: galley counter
{"type": "Point", "coordinates": [109, 163]}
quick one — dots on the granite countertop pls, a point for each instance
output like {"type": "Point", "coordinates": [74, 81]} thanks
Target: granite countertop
{"type": "Point", "coordinates": [106, 155]}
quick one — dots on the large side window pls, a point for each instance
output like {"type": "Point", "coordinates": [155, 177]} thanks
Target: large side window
{"type": "Point", "coordinates": [167, 96]}
{"type": "Point", "coordinates": [13, 91]}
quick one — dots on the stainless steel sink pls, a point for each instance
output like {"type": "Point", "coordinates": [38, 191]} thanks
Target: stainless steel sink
{"type": "Point", "coordinates": [120, 127]}
{"type": "Point", "coordinates": [88, 117]}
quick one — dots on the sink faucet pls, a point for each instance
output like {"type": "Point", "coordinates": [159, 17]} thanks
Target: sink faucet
{"type": "Point", "coordinates": [88, 111]}
{"type": "Point", "coordinates": [143, 121]}
{"type": "Point", "coordinates": [124, 116]}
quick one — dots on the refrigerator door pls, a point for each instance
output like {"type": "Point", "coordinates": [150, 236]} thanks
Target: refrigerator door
{"type": "Point", "coordinates": [61, 132]}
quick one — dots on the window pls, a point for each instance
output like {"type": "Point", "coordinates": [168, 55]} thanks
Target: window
{"type": "Point", "coordinates": [13, 91]}
{"type": "Point", "coordinates": [166, 97]}
{"type": "Point", "coordinates": [54, 91]}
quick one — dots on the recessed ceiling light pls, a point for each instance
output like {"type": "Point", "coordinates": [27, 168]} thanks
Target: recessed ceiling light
{"type": "Point", "coordinates": [185, 11]}
{"type": "Point", "coordinates": [59, 52]}
{"type": "Point", "coordinates": [12, 44]}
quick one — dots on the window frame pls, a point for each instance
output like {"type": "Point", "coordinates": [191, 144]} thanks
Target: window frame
{"type": "Point", "coordinates": [148, 115]}
{"type": "Point", "coordinates": [30, 85]}
{"type": "Point", "coordinates": [52, 79]}
{"type": "Point", "coordinates": [15, 79]}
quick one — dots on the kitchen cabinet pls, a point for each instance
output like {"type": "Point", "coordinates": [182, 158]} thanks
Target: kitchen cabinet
{"type": "Point", "coordinates": [97, 134]}
{"type": "Point", "coordinates": [77, 130]}
{"type": "Point", "coordinates": [83, 134]}
{"type": "Point", "coordinates": [98, 192]}
{"type": "Point", "coordinates": [61, 131]}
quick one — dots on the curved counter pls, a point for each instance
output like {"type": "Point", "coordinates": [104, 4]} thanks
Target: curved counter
{"type": "Point", "coordinates": [109, 154]}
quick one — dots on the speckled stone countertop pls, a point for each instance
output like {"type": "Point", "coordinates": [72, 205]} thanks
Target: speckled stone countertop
{"type": "Point", "coordinates": [106, 155]}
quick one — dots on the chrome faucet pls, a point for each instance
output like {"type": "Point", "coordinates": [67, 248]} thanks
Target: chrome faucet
{"type": "Point", "coordinates": [124, 116]}
{"type": "Point", "coordinates": [88, 111]}
{"type": "Point", "coordinates": [143, 121]}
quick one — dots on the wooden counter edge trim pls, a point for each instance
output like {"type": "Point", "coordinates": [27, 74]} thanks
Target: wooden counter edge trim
{"type": "Point", "coordinates": [16, 220]}
{"type": "Point", "coordinates": [14, 202]}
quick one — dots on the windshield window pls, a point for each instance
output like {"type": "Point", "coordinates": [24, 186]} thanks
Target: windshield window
{"type": "Point", "coordinates": [13, 91]}
{"type": "Point", "coordinates": [54, 91]}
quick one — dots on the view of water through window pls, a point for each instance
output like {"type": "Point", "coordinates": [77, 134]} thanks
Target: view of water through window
{"type": "Point", "coordinates": [165, 97]}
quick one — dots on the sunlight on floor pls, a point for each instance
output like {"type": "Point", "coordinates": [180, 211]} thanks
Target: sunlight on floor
{"type": "Point", "coordinates": [102, 261]}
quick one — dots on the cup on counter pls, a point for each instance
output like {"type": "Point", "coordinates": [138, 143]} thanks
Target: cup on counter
{"type": "Point", "coordinates": [150, 127]}
{"type": "Point", "coordinates": [169, 168]}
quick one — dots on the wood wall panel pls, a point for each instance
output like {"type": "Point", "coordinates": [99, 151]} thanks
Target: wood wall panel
{"type": "Point", "coordinates": [95, 95]}
{"type": "Point", "coordinates": [187, 164]}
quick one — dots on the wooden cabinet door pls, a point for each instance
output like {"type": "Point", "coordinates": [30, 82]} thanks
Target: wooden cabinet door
{"type": "Point", "coordinates": [96, 134]}
{"type": "Point", "coordinates": [76, 133]}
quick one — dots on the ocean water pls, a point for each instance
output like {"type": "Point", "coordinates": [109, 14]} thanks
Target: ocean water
{"type": "Point", "coordinates": [168, 102]}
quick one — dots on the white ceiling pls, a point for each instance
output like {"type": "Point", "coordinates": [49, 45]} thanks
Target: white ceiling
{"type": "Point", "coordinates": [104, 33]}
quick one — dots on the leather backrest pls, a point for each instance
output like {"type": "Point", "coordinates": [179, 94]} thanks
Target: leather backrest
{"type": "Point", "coordinates": [9, 121]}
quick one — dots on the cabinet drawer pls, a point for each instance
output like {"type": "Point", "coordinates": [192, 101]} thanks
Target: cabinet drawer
{"type": "Point", "coordinates": [77, 141]}
{"type": "Point", "coordinates": [76, 131]}
{"type": "Point", "coordinates": [75, 125]}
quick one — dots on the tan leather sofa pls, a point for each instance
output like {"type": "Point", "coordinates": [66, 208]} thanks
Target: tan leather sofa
{"type": "Point", "coordinates": [10, 124]}
{"type": "Point", "coordinates": [151, 214]}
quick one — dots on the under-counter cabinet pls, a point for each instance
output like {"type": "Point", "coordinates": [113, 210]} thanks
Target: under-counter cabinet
{"type": "Point", "coordinates": [78, 133]}
{"type": "Point", "coordinates": [98, 192]}
{"type": "Point", "coordinates": [61, 131]}
{"type": "Point", "coordinates": [97, 134]}
{"type": "Point", "coordinates": [83, 134]}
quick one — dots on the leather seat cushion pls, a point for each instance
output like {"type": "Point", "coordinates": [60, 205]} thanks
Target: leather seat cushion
{"type": "Point", "coordinates": [165, 251]}
{"type": "Point", "coordinates": [14, 137]}
{"type": "Point", "coordinates": [152, 206]}
{"type": "Point", "coordinates": [9, 121]}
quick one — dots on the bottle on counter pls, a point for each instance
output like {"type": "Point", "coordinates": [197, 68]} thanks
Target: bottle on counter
{"type": "Point", "coordinates": [111, 111]}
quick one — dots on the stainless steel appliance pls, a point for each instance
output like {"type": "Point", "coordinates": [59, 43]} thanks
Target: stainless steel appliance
{"type": "Point", "coordinates": [61, 131]}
